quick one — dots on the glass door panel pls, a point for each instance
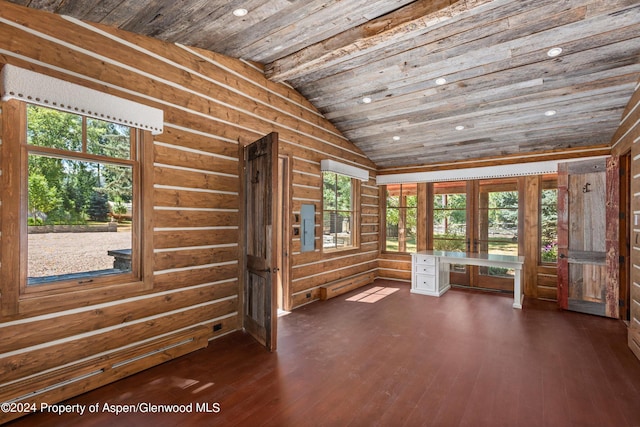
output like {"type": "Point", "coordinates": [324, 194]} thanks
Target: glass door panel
{"type": "Point", "coordinates": [450, 231]}
{"type": "Point", "coordinates": [497, 230]}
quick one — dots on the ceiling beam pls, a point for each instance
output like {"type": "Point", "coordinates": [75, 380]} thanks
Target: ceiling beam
{"type": "Point", "coordinates": [403, 22]}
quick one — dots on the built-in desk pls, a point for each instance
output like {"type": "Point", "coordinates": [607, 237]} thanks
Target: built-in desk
{"type": "Point", "coordinates": [430, 270]}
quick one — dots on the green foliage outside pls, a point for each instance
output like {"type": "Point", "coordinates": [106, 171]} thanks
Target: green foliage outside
{"type": "Point", "coordinates": [549, 225]}
{"type": "Point", "coordinates": [62, 190]}
{"type": "Point", "coordinates": [396, 206]}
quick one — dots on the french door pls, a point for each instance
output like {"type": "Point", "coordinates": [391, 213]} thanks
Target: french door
{"type": "Point", "coordinates": [478, 216]}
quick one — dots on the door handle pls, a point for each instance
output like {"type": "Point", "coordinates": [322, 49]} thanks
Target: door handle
{"type": "Point", "coordinates": [268, 270]}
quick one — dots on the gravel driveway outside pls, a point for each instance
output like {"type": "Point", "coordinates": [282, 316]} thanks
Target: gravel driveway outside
{"type": "Point", "coordinates": [63, 253]}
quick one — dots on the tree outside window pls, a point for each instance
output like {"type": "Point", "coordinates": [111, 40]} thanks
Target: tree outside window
{"type": "Point", "coordinates": [80, 172]}
{"type": "Point", "coordinates": [549, 223]}
{"type": "Point", "coordinates": [338, 211]}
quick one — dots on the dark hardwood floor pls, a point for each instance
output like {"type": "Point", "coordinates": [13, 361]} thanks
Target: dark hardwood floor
{"type": "Point", "coordinates": [466, 359]}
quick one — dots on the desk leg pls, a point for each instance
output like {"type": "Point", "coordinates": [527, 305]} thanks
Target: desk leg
{"type": "Point", "coordinates": [518, 295]}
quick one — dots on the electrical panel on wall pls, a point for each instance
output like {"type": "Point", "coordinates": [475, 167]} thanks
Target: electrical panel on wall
{"type": "Point", "coordinates": [308, 228]}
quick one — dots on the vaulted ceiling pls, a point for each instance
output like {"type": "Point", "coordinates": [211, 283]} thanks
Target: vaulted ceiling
{"type": "Point", "coordinates": [421, 82]}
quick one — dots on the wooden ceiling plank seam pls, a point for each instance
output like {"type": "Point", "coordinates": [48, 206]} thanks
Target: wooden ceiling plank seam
{"type": "Point", "coordinates": [85, 8]}
{"type": "Point", "coordinates": [479, 84]}
{"type": "Point", "coordinates": [222, 38]}
{"type": "Point", "coordinates": [436, 68]}
{"type": "Point", "coordinates": [599, 117]}
{"type": "Point", "coordinates": [292, 40]}
{"type": "Point", "coordinates": [124, 12]}
{"type": "Point", "coordinates": [450, 69]}
{"type": "Point", "coordinates": [520, 117]}
{"type": "Point", "coordinates": [221, 17]}
{"type": "Point", "coordinates": [165, 18]}
{"type": "Point", "coordinates": [552, 95]}
{"type": "Point", "coordinates": [345, 128]}
{"type": "Point", "coordinates": [461, 25]}
{"type": "Point", "coordinates": [510, 114]}
{"type": "Point", "coordinates": [360, 40]}
{"type": "Point", "coordinates": [264, 28]}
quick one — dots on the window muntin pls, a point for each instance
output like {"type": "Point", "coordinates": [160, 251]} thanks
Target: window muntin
{"type": "Point", "coordinates": [401, 218]}
{"type": "Point", "coordinates": [338, 213]}
{"type": "Point", "coordinates": [81, 173]}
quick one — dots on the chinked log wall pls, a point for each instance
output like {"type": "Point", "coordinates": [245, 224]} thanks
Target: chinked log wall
{"type": "Point", "coordinates": [211, 104]}
{"type": "Point", "coordinates": [627, 139]}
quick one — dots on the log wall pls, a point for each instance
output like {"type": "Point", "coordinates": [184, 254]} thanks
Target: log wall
{"type": "Point", "coordinates": [212, 104]}
{"type": "Point", "coordinates": [627, 139]}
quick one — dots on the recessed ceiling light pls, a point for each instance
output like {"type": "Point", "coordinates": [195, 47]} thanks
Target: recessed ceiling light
{"type": "Point", "coordinates": [554, 51]}
{"type": "Point", "coordinates": [367, 100]}
{"type": "Point", "coordinates": [396, 138]}
{"type": "Point", "coordinates": [240, 12]}
{"type": "Point", "coordinates": [440, 81]}
{"type": "Point", "coordinates": [550, 113]}
{"type": "Point", "coordinates": [459, 127]}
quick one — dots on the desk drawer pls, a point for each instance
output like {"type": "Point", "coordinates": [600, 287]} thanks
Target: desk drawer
{"type": "Point", "coordinates": [425, 282]}
{"type": "Point", "coordinates": [426, 269]}
{"type": "Point", "coordinates": [425, 260]}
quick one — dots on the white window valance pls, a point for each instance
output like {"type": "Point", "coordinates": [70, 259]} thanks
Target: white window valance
{"type": "Point", "coordinates": [43, 90]}
{"type": "Point", "coordinates": [486, 172]}
{"type": "Point", "coordinates": [344, 169]}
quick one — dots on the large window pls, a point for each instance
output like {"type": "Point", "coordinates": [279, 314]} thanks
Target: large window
{"type": "Point", "coordinates": [81, 204]}
{"type": "Point", "coordinates": [339, 195]}
{"type": "Point", "coordinates": [401, 217]}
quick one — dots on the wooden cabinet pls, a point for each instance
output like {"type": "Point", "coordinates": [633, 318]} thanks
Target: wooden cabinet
{"type": "Point", "coordinates": [428, 275]}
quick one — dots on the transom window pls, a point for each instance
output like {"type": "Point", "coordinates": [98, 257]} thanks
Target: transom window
{"type": "Point", "coordinates": [81, 208]}
{"type": "Point", "coordinates": [338, 212]}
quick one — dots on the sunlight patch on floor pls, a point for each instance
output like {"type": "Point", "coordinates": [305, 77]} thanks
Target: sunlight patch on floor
{"type": "Point", "coordinates": [372, 295]}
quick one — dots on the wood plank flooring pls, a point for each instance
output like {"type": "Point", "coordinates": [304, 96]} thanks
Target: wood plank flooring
{"type": "Point", "coordinates": [466, 359]}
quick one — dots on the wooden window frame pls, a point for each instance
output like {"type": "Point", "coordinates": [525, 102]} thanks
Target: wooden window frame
{"type": "Point", "coordinates": [17, 298]}
{"type": "Point", "coordinates": [355, 215]}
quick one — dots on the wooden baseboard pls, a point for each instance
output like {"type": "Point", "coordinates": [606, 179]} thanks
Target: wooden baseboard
{"type": "Point", "coordinates": [69, 381]}
{"type": "Point", "coordinates": [343, 286]}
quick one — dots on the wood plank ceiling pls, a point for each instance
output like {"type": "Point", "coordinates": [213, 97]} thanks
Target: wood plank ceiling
{"type": "Point", "coordinates": [492, 55]}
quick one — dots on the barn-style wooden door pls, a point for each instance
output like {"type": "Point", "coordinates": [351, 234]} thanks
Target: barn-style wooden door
{"type": "Point", "coordinates": [260, 248]}
{"type": "Point", "coordinates": [583, 217]}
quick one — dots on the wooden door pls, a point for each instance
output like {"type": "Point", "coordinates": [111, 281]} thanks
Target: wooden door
{"type": "Point", "coordinates": [582, 226]}
{"type": "Point", "coordinates": [496, 230]}
{"type": "Point", "coordinates": [260, 249]}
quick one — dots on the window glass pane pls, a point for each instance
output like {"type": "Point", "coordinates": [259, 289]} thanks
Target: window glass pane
{"type": "Point", "coordinates": [401, 218]}
{"type": "Point", "coordinates": [502, 215]}
{"type": "Point", "coordinates": [337, 216]}
{"type": "Point", "coordinates": [450, 222]}
{"type": "Point", "coordinates": [344, 193]}
{"type": "Point", "coordinates": [549, 225]}
{"type": "Point", "coordinates": [498, 227]}
{"type": "Point", "coordinates": [71, 208]}
{"type": "Point", "coordinates": [329, 191]}
{"type": "Point", "coordinates": [53, 128]}
{"type": "Point", "coordinates": [108, 139]}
